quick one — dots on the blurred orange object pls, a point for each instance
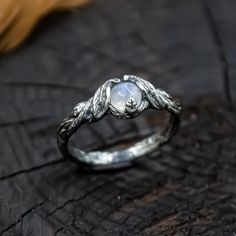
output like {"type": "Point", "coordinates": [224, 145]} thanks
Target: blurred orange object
{"type": "Point", "coordinates": [17, 18]}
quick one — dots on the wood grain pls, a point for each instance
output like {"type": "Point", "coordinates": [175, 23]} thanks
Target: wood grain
{"type": "Point", "coordinates": [188, 188]}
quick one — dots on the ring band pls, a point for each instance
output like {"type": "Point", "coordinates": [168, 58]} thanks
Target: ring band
{"type": "Point", "coordinates": [124, 98]}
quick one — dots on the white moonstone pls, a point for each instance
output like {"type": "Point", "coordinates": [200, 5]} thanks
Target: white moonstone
{"type": "Point", "coordinates": [122, 92]}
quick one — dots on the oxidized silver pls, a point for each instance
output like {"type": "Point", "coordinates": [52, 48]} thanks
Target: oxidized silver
{"type": "Point", "coordinates": [99, 105]}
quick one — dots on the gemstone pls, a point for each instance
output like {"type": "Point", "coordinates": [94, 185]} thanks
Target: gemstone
{"type": "Point", "coordinates": [125, 92]}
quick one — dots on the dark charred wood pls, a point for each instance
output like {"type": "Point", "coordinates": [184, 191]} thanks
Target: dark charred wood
{"type": "Point", "coordinates": [188, 188]}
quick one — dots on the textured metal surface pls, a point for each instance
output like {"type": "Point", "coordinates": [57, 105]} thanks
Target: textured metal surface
{"type": "Point", "coordinates": [99, 105]}
{"type": "Point", "coordinates": [187, 188]}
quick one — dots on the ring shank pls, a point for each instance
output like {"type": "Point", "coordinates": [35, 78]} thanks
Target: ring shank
{"type": "Point", "coordinates": [120, 158]}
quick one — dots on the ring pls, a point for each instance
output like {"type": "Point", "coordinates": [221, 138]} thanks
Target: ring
{"type": "Point", "coordinates": [124, 98]}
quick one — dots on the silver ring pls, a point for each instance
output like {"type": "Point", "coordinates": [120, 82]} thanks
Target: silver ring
{"type": "Point", "coordinates": [124, 98]}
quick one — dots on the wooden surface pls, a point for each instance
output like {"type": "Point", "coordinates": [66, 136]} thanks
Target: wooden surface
{"type": "Point", "coordinates": [189, 188]}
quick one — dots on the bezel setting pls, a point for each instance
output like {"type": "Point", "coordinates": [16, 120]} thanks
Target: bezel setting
{"type": "Point", "coordinates": [132, 109]}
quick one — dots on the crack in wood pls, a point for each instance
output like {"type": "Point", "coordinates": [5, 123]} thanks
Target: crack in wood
{"type": "Point", "coordinates": [32, 169]}
{"type": "Point", "coordinates": [74, 200]}
{"type": "Point", "coordinates": [23, 215]}
{"type": "Point", "coordinates": [199, 162]}
{"type": "Point", "coordinates": [221, 51]}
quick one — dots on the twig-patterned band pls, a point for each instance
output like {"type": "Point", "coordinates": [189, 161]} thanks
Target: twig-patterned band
{"type": "Point", "coordinates": [124, 98]}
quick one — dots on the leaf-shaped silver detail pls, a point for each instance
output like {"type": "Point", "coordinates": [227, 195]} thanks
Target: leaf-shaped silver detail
{"type": "Point", "coordinates": [167, 102]}
{"type": "Point", "coordinates": [101, 100]}
{"type": "Point", "coordinates": [158, 98]}
{"type": "Point", "coordinates": [149, 91]}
